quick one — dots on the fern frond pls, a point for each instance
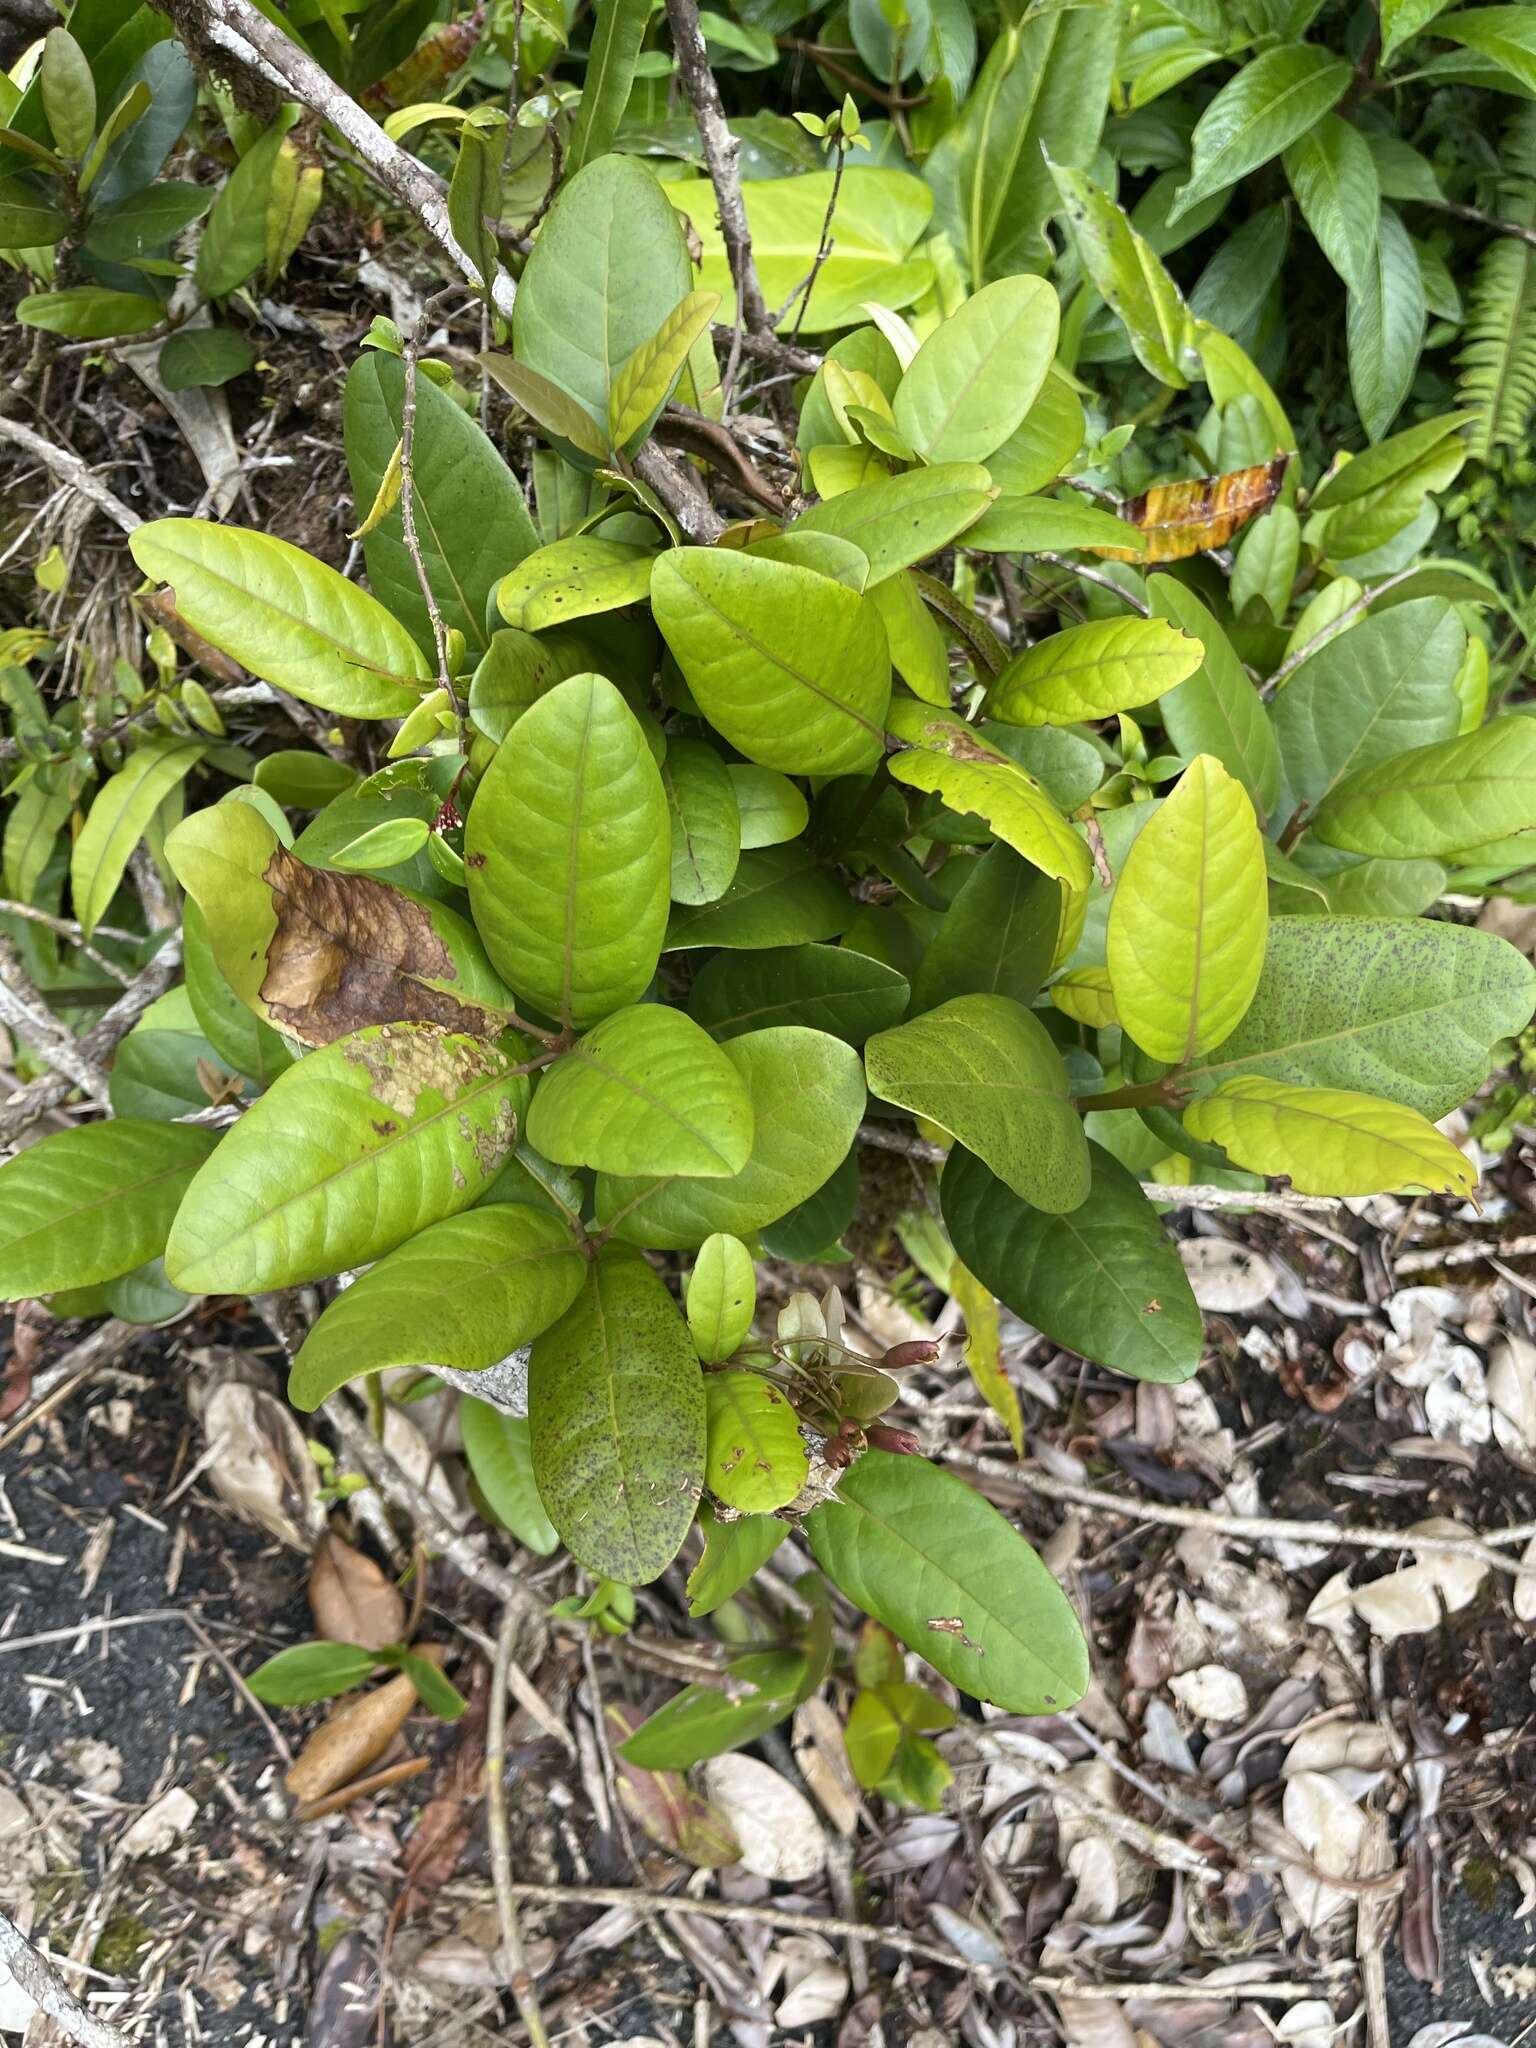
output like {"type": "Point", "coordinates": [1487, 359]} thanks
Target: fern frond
{"type": "Point", "coordinates": [1497, 360]}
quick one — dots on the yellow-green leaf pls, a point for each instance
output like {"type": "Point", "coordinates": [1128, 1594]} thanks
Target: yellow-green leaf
{"type": "Point", "coordinates": [756, 1461]}
{"type": "Point", "coordinates": [1329, 1141]}
{"type": "Point", "coordinates": [1086, 997]}
{"type": "Point", "coordinates": [1188, 921]}
{"type": "Point", "coordinates": [1093, 671]}
{"type": "Point", "coordinates": [645, 381]}
{"type": "Point", "coordinates": [983, 1351]}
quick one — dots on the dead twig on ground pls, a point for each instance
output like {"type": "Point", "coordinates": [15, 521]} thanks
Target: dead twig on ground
{"type": "Point", "coordinates": [77, 474]}
{"type": "Point", "coordinates": [50, 1994]}
{"type": "Point", "coordinates": [50, 1090]}
{"type": "Point", "coordinates": [25, 1011]}
{"type": "Point", "coordinates": [519, 1974]}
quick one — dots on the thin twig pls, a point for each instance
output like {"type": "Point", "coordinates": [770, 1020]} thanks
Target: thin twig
{"type": "Point", "coordinates": [721, 151]}
{"type": "Point", "coordinates": [77, 474]}
{"type": "Point", "coordinates": [1126, 597]}
{"type": "Point", "coordinates": [1500, 226]}
{"type": "Point", "coordinates": [67, 928]}
{"type": "Point", "coordinates": [1245, 1528]}
{"type": "Point", "coordinates": [24, 1009]}
{"type": "Point", "coordinates": [1333, 627]}
{"type": "Point", "coordinates": [49, 1993]}
{"type": "Point", "coordinates": [411, 349]}
{"type": "Point", "coordinates": [681, 492]}
{"type": "Point", "coordinates": [823, 251]}
{"type": "Point", "coordinates": [520, 1976]}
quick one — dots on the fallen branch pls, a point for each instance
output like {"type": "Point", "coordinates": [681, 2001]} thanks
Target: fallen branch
{"type": "Point", "coordinates": [77, 474]}
{"type": "Point", "coordinates": [50, 1995]}
{"type": "Point", "coordinates": [681, 492]}
{"type": "Point", "coordinates": [1245, 1528]}
{"type": "Point", "coordinates": [245, 35]}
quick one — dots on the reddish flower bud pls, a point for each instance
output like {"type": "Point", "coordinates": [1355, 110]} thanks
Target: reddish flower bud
{"type": "Point", "coordinates": [919, 1351]}
{"type": "Point", "coordinates": [883, 1438]}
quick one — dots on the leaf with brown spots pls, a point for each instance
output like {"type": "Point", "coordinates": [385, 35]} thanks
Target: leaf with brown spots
{"type": "Point", "coordinates": [661, 1803]}
{"type": "Point", "coordinates": [756, 1461]}
{"type": "Point", "coordinates": [348, 951]}
{"type": "Point", "coordinates": [1197, 513]}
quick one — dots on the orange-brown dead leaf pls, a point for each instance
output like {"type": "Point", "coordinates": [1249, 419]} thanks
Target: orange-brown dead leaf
{"type": "Point", "coordinates": [354, 1735]}
{"type": "Point", "coordinates": [1197, 513]}
{"type": "Point", "coordinates": [352, 1600]}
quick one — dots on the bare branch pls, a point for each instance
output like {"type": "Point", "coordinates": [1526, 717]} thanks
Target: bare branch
{"type": "Point", "coordinates": [79, 475]}
{"type": "Point", "coordinates": [721, 150]}
{"type": "Point", "coordinates": [681, 492]}
{"type": "Point", "coordinates": [48, 1992]}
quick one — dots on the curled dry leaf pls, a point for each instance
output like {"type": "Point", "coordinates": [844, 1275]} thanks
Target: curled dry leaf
{"type": "Point", "coordinates": [777, 1828]}
{"type": "Point", "coordinates": [1512, 1397]}
{"type": "Point", "coordinates": [815, 1982]}
{"type": "Point", "coordinates": [1226, 1278]}
{"type": "Point", "coordinates": [355, 1734]}
{"type": "Point", "coordinates": [351, 1598]}
{"type": "Point", "coordinates": [261, 1465]}
{"type": "Point", "coordinates": [1200, 512]}
{"type": "Point", "coordinates": [159, 1825]}
{"type": "Point", "coordinates": [663, 1804]}
{"type": "Point", "coordinates": [1094, 2023]}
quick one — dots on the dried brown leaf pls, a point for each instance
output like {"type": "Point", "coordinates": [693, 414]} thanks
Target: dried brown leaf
{"type": "Point", "coordinates": [350, 951]}
{"type": "Point", "coordinates": [261, 1464]}
{"type": "Point", "coordinates": [354, 1735]}
{"type": "Point", "coordinates": [352, 1600]}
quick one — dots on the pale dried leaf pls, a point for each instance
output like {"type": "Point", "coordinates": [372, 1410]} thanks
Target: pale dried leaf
{"type": "Point", "coordinates": [1332, 1745]}
{"type": "Point", "coordinates": [1211, 1693]}
{"type": "Point", "coordinates": [815, 1984]}
{"type": "Point", "coordinates": [1330, 1830]}
{"type": "Point", "coordinates": [160, 1825]}
{"type": "Point", "coordinates": [1512, 1397]}
{"type": "Point", "coordinates": [776, 1825]}
{"type": "Point", "coordinates": [411, 1451]}
{"type": "Point", "coordinates": [1227, 1279]}
{"type": "Point", "coordinates": [1094, 2023]}
{"type": "Point", "coordinates": [822, 1756]}
{"type": "Point", "coordinates": [261, 1465]}
{"type": "Point", "coordinates": [354, 1734]}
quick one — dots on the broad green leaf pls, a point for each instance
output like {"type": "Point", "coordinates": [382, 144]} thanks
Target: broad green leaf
{"type": "Point", "coordinates": [567, 852]}
{"type": "Point", "coordinates": [203, 356]}
{"type": "Point", "coordinates": [770, 806]}
{"type": "Point", "coordinates": [914, 637]}
{"type": "Point", "coordinates": [27, 221]}
{"type": "Point", "coordinates": [146, 221]}
{"type": "Point", "coordinates": [1385, 327]}
{"type": "Point", "coordinates": [616, 1414]}
{"type": "Point", "coordinates": [499, 1448]}
{"type": "Point", "coordinates": [734, 1552]}
{"type": "Point", "coordinates": [311, 1671]}
{"type": "Point", "coordinates": [923, 1553]}
{"type": "Point", "coordinates": [787, 665]}
{"type": "Point", "coordinates": [1504, 35]}
{"type": "Point", "coordinates": [1385, 685]}
{"type": "Point", "coordinates": [475, 199]}
{"type": "Point", "coordinates": [1266, 563]}
{"type": "Point", "coordinates": [289, 619]}
{"type": "Point", "coordinates": [302, 781]}
{"type": "Point", "coordinates": [155, 1071]}
{"type": "Point", "coordinates": [355, 1149]}
{"type": "Point", "coordinates": [880, 216]}
{"type": "Point", "coordinates": [464, 1293]}
{"type": "Point", "coordinates": [515, 671]}
{"type": "Point", "coordinates": [904, 519]}
{"type": "Point", "coordinates": [983, 1352]}
{"type": "Point", "coordinates": [1106, 1281]}
{"type": "Point", "coordinates": [1391, 461]}
{"type": "Point", "coordinates": [949, 760]}
{"type": "Point", "coordinates": [618, 31]}
{"type": "Point", "coordinates": [87, 1204]}
{"type": "Point", "coordinates": [573, 579]}
{"type": "Point", "coordinates": [88, 312]}
{"type": "Point", "coordinates": [1093, 671]}
{"type": "Point", "coordinates": [1401, 19]}
{"type": "Point", "coordinates": [702, 1720]}
{"type": "Point", "coordinates": [1437, 799]}
{"type": "Point", "coordinates": [721, 1297]}
{"type": "Point", "coordinates": [560, 415]}
{"type": "Point", "coordinates": [1084, 994]}
{"type": "Point", "coordinates": [316, 954]}
{"type": "Point", "coordinates": [1217, 710]}
{"type": "Point", "coordinates": [383, 846]}
{"type": "Point", "coordinates": [807, 1092]}
{"type": "Point", "coordinates": [1041, 94]}
{"type": "Point", "coordinates": [998, 935]}
{"type": "Point", "coordinates": [827, 553]}
{"type": "Point", "coordinates": [233, 243]}
{"type": "Point", "coordinates": [1187, 924]}
{"type": "Point", "coordinates": [471, 521]}
{"type": "Point", "coordinates": [1128, 275]}
{"type": "Point", "coordinates": [609, 265]}
{"type": "Point", "coordinates": [978, 373]}
{"type": "Point", "coordinates": [1027, 525]}
{"type": "Point", "coordinates": [36, 818]}
{"type": "Point", "coordinates": [1329, 1141]}
{"type": "Point", "coordinates": [236, 1034]}
{"type": "Point", "coordinates": [648, 378]}
{"type": "Point", "coordinates": [437, 1694]}
{"type": "Point", "coordinates": [69, 93]}
{"type": "Point", "coordinates": [756, 1461]}
{"type": "Point", "coordinates": [984, 1069]}
{"type": "Point", "coordinates": [780, 896]}
{"type": "Point", "coordinates": [706, 820]}
{"type": "Point", "coordinates": [1377, 888]}
{"type": "Point", "coordinates": [1259, 113]}
{"type": "Point", "coordinates": [122, 812]}
{"type": "Point", "coordinates": [646, 1091]}
{"type": "Point", "coordinates": [828, 988]}
{"type": "Point", "coordinates": [1333, 175]}
{"type": "Point", "coordinates": [1407, 1008]}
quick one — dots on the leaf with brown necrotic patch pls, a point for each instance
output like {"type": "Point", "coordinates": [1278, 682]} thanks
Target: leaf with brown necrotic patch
{"type": "Point", "coordinates": [349, 951]}
{"type": "Point", "coordinates": [1196, 513]}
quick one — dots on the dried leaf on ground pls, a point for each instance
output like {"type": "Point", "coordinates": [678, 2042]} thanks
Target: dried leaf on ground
{"type": "Point", "coordinates": [1330, 1830]}
{"type": "Point", "coordinates": [351, 1598]}
{"type": "Point", "coordinates": [662, 1803]}
{"type": "Point", "coordinates": [354, 1735]}
{"type": "Point", "coordinates": [777, 1828]}
{"type": "Point", "coordinates": [261, 1465]}
{"type": "Point", "coordinates": [1227, 1279]}
{"type": "Point", "coordinates": [822, 1755]}
{"type": "Point", "coordinates": [160, 1825]}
